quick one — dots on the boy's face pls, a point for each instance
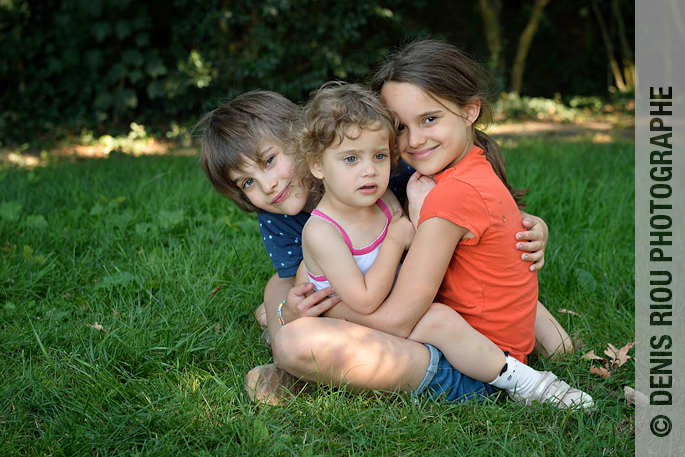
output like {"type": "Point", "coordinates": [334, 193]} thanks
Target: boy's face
{"type": "Point", "coordinates": [356, 172]}
{"type": "Point", "coordinates": [272, 185]}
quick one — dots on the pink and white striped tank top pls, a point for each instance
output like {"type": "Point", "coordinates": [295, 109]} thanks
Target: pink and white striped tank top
{"type": "Point", "coordinates": [364, 257]}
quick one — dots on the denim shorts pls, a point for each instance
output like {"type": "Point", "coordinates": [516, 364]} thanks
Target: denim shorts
{"type": "Point", "coordinates": [444, 383]}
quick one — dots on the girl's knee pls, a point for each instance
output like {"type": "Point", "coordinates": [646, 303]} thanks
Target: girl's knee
{"type": "Point", "coordinates": [439, 315]}
{"type": "Point", "coordinates": [294, 344]}
{"type": "Point", "coordinates": [564, 348]}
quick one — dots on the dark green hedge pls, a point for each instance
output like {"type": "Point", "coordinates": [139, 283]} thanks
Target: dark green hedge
{"type": "Point", "coordinates": [74, 63]}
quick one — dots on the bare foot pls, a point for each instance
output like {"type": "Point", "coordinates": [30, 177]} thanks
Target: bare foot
{"type": "Point", "coordinates": [271, 384]}
{"type": "Point", "coordinates": [260, 315]}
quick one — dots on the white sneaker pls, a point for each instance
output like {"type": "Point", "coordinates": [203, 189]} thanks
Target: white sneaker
{"type": "Point", "coordinates": [552, 390]}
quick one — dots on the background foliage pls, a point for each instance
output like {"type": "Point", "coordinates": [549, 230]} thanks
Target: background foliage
{"type": "Point", "coordinates": [70, 64]}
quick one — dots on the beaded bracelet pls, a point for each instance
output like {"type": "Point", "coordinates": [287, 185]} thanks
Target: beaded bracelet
{"type": "Point", "coordinates": [280, 313]}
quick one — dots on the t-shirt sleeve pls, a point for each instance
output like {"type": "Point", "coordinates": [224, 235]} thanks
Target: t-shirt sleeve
{"type": "Point", "coordinates": [459, 203]}
{"type": "Point", "coordinates": [282, 238]}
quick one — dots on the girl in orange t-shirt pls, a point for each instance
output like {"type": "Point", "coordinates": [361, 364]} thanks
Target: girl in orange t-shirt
{"type": "Point", "coordinates": [353, 242]}
{"type": "Point", "coordinates": [471, 213]}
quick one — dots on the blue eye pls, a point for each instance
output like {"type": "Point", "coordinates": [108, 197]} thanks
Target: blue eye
{"type": "Point", "coordinates": [380, 156]}
{"type": "Point", "coordinates": [350, 159]}
{"type": "Point", "coordinates": [269, 160]}
{"type": "Point", "coordinates": [247, 183]}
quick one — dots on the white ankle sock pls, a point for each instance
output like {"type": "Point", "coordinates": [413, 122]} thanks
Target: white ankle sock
{"type": "Point", "coordinates": [518, 376]}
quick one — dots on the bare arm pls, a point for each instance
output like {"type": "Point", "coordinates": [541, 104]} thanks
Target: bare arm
{"type": "Point", "coordinates": [275, 292]}
{"type": "Point", "coordinates": [297, 305]}
{"type": "Point", "coordinates": [418, 281]}
{"type": "Point", "coordinates": [365, 292]}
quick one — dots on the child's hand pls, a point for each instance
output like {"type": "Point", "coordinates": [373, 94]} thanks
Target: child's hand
{"type": "Point", "coordinates": [298, 304]}
{"type": "Point", "coordinates": [417, 188]}
{"type": "Point", "coordinates": [401, 229]}
{"type": "Point", "coordinates": [534, 241]}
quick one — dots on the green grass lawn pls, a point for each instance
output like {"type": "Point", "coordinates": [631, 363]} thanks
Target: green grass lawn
{"type": "Point", "coordinates": [137, 245]}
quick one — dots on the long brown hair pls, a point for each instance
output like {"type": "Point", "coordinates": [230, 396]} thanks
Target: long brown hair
{"type": "Point", "coordinates": [443, 71]}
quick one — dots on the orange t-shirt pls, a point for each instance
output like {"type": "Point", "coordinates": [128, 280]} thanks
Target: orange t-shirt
{"type": "Point", "coordinates": [486, 281]}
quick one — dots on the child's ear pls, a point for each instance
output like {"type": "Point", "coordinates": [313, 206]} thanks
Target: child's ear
{"type": "Point", "coordinates": [315, 168]}
{"type": "Point", "coordinates": [472, 112]}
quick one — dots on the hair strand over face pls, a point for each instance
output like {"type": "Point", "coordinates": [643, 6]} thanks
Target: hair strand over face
{"type": "Point", "coordinates": [444, 72]}
{"type": "Point", "coordinates": [234, 134]}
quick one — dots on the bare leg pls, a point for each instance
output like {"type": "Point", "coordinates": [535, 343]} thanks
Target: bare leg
{"type": "Point", "coordinates": [465, 349]}
{"type": "Point", "coordinates": [270, 383]}
{"type": "Point", "coordinates": [551, 340]}
{"type": "Point", "coordinates": [260, 315]}
{"type": "Point", "coordinates": [343, 354]}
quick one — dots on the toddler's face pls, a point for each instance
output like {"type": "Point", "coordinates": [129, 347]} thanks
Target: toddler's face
{"type": "Point", "coordinates": [272, 185]}
{"type": "Point", "coordinates": [356, 171]}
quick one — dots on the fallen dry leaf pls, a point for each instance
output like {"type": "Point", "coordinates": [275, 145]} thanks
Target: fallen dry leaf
{"type": "Point", "coordinates": [618, 356]}
{"type": "Point", "coordinates": [603, 372]}
{"type": "Point", "coordinates": [634, 397]}
{"type": "Point", "coordinates": [217, 329]}
{"type": "Point", "coordinates": [566, 311]}
{"type": "Point", "coordinates": [623, 356]}
{"type": "Point", "coordinates": [611, 351]}
{"type": "Point", "coordinates": [215, 290]}
{"type": "Point", "coordinates": [591, 355]}
{"type": "Point", "coordinates": [97, 327]}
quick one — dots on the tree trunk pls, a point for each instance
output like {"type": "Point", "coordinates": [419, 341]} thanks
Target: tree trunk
{"type": "Point", "coordinates": [628, 61]}
{"type": "Point", "coordinates": [615, 69]}
{"type": "Point", "coordinates": [525, 41]}
{"type": "Point", "coordinates": [491, 11]}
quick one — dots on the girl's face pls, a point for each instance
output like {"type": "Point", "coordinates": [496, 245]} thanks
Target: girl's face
{"type": "Point", "coordinates": [434, 133]}
{"type": "Point", "coordinates": [356, 172]}
{"type": "Point", "coordinates": [272, 185]}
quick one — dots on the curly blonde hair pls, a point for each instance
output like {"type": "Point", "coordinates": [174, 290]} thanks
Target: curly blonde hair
{"type": "Point", "coordinates": [329, 116]}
